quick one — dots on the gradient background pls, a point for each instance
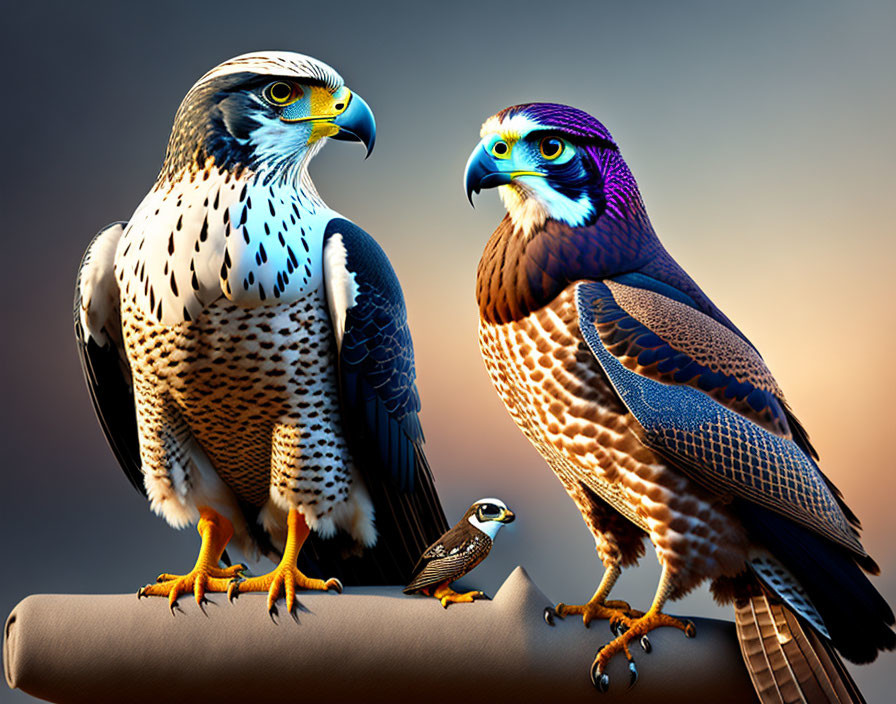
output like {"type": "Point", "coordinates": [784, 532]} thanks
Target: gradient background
{"type": "Point", "coordinates": [762, 138]}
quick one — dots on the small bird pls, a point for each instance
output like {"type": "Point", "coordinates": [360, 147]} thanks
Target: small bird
{"type": "Point", "coordinates": [247, 349]}
{"type": "Point", "coordinates": [458, 551]}
{"type": "Point", "coordinates": [660, 417]}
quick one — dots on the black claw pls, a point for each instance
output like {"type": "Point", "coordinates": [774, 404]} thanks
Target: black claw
{"type": "Point", "coordinates": [335, 585]}
{"type": "Point", "coordinates": [690, 630]}
{"type": "Point", "coordinates": [231, 592]}
{"type": "Point", "coordinates": [632, 673]}
{"type": "Point", "coordinates": [645, 643]}
{"type": "Point", "coordinates": [600, 680]}
{"type": "Point", "coordinates": [549, 614]}
{"type": "Point", "coordinates": [618, 628]}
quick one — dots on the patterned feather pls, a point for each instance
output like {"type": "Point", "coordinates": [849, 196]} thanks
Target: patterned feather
{"type": "Point", "coordinates": [220, 372]}
{"type": "Point", "coordinates": [652, 407]}
{"type": "Point", "coordinates": [720, 448]}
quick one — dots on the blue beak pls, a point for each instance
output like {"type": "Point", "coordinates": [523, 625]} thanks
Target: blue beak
{"type": "Point", "coordinates": [356, 124]}
{"type": "Point", "coordinates": [482, 172]}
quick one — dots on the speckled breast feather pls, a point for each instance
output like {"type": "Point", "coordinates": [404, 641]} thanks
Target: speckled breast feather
{"type": "Point", "coordinates": [558, 395]}
{"type": "Point", "coordinates": [257, 388]}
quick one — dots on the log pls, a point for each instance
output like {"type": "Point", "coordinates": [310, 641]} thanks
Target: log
{"type": "Point", "coordinates": [370, 644]}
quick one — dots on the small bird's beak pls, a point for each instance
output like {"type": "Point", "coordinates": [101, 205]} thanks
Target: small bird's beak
{"type": "Point", "coordinates": [508, 516]}
{"type": "Point", "coordinates": [483, 172]}
{"type": "Point", "coordinates": [356, 123]}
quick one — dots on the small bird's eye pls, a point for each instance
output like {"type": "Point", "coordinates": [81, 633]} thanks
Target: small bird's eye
{"type": "Point", "coordinates": [282, 93]}
{"type": "Point", "coordinates": [551, 147]}
{"type": "Point", "coordinates": [488, 511]}
{"type": "Point", "coordinates": [500, 148]}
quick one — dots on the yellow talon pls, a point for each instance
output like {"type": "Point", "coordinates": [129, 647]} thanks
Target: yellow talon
{"type": "Point", "coordinates": [216, 531]}
{"type": "Point", "coordinates": [446, 595]}
{"type": "Point", "coordinates": [286, 577]}
{"type": "Point", "coordinates": [637, 629]}
{"type": "Point", "coordinates": [611, 610]}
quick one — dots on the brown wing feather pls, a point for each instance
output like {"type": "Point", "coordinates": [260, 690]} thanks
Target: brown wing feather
{"type": "Point", "coordinates": [449, 560]}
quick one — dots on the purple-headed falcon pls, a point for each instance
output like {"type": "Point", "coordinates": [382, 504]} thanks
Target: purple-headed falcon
{"type": "Point", "coordinates": [659, 416]}
{"type": "Point", "coordinates": [247, 349]}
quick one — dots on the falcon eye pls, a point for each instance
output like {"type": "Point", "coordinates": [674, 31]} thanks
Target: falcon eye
{"type": "Point", "coordinates": [551, 147]}
{"type": "Point", "coordinates": [281, 93]}
{"type": "Point", "coordinates": [488, 511]}
{"type": "Point", "coordinates": [500, 148]}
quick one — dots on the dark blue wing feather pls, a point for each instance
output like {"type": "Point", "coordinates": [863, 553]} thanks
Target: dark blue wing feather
{"type": "Point", "coordinates": [706, 434]}
{"type": "Point", "coordinates": [376, 362]}
{"type": "Point", "coordinates": [380, 404]}
{"type": "Point", "coordinates": [660, 333]}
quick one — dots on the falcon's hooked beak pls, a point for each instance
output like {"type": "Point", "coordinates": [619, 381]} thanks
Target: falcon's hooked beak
{"type": "Point", "coordinates": [342, 115]}
{"type": "Point", "coordinates": [484, 171]}
{"type": "Point", "coordinates": [356, 123]}
{"type": "Point", "coordinates": [507, 516]}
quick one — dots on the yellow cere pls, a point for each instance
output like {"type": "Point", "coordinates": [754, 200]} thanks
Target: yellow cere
{"type": "Point", "coordinates": [325, 104]}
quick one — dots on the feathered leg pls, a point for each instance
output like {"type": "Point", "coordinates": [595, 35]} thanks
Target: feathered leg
{"type": "Point", "coordinates": [286, 577]}
{"type": "Point", "coordinates": [216, 531]}
{"type": "Point", "coordinates": [618, 543]}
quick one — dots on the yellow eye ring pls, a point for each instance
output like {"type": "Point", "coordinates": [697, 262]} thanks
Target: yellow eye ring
{"type": "Point", "coordinates": [551, 147]}
{"type": "Point", "coordinates": [281, 93]}
{"type": "Point", "coordinates": [500, 149]}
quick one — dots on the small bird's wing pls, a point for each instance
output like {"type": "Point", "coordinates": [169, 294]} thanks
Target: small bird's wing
{"type": "Point", "coordinates": [705, 400]}
{"type": "Point", "coordinates": [450, 557]}
{"type": "Point", "coordinates": [98, 334]}
{"type": "Point", "coordinates": [380, 402]}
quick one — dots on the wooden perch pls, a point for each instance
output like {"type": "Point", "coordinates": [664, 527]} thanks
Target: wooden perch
{"type": "Point", "coordinates": [370, 644]}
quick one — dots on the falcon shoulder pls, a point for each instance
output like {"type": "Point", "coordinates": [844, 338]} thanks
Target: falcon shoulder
{"type": "Point", "coordinates": [706, 401]}
{"type": "Point", "coordinates": [104, 362]}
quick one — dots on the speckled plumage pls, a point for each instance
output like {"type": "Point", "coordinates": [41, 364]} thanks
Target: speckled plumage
{"type": "Point", "coordinates": [558, 395]}
{"type": "Point", "coordinates": [461, 548]}
{"type": "Point", "coordinates": [216, 325]}
{"type": "Point", "coordinates": [657, 414]}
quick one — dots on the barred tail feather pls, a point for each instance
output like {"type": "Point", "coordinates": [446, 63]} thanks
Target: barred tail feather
{"type": "Point", "coordinates": [788, 662]}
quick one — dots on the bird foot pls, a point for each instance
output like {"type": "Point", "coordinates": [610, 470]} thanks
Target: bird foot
{"type": "Point", "coordinates": [618, 613]}
{"type": "Point", "coordinates": [635, 629]}
{"type": "Point", "coordinates": [285, 579]}
{"type": "Point", "coordinates": [446, 595]}
{"type": "Point", "coordinates": [201, 580]}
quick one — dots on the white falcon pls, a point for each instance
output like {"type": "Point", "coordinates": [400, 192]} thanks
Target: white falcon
{"type": "Point", "coordinates": [247, 349]}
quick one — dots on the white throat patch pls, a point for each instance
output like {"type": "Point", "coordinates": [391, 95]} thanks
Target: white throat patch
{"type": "Point", "coordinates": [530, 201]}
{"type": "Point", "coordinates": [490, 528]}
